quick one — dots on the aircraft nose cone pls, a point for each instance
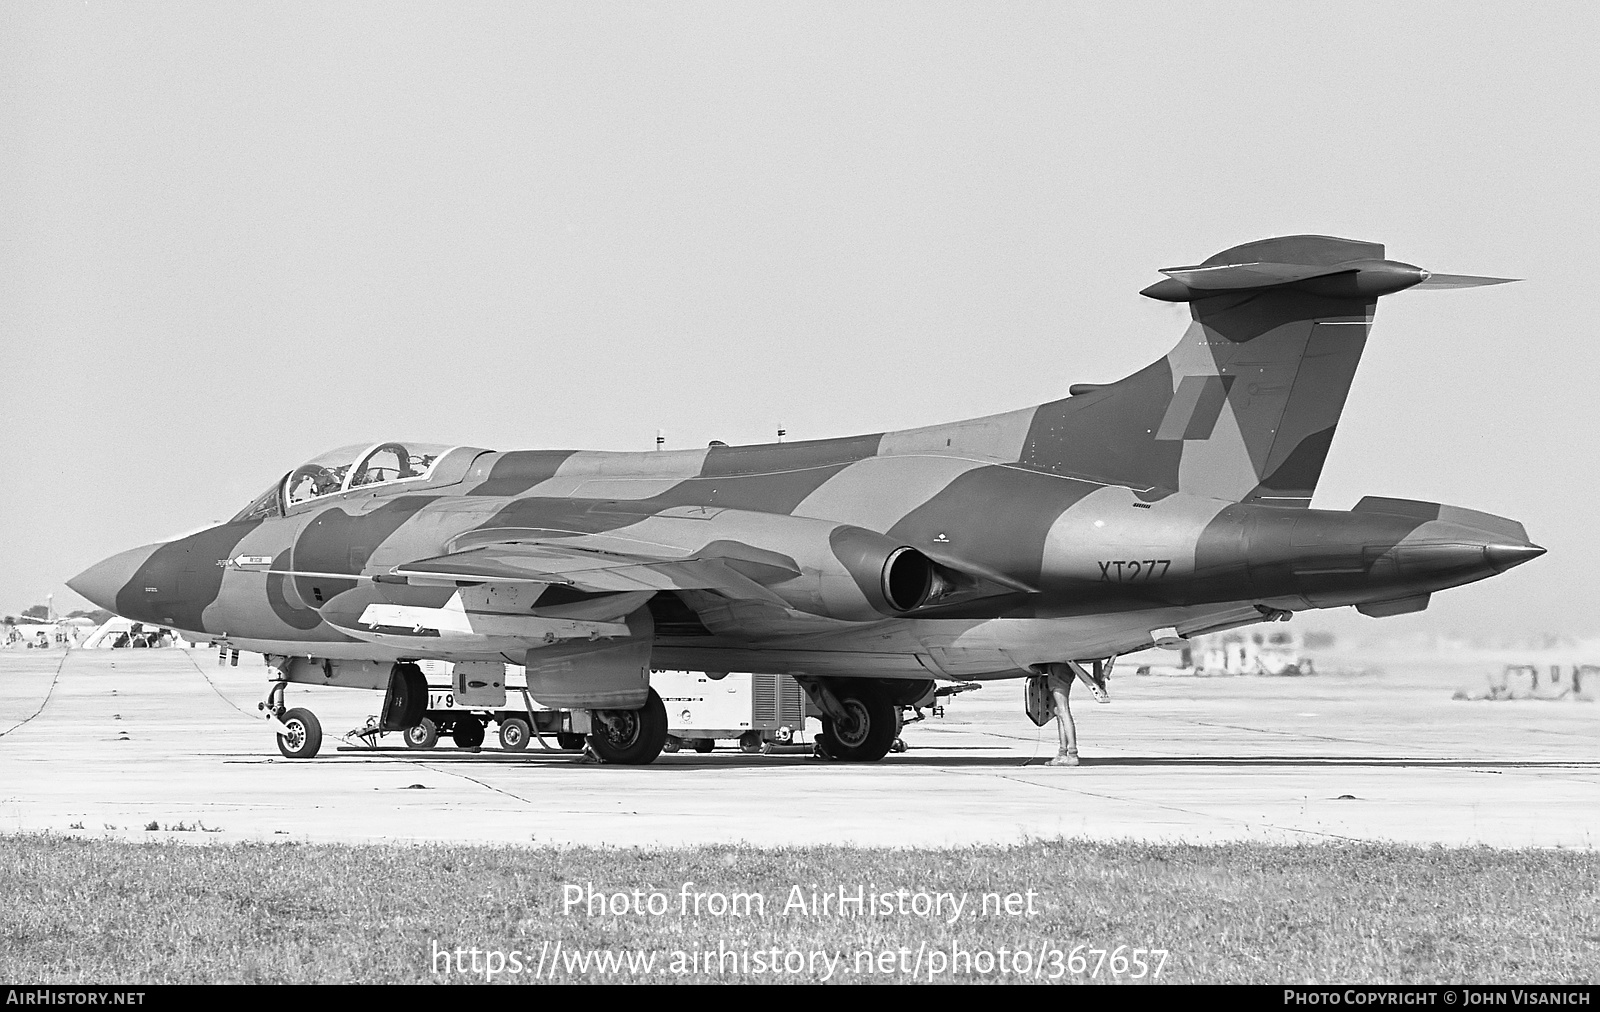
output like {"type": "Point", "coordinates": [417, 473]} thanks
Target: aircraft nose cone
{"type": "Point", "coordinates": [102, 581]}
{"type": "Point", "coordinates": [1504, 557]}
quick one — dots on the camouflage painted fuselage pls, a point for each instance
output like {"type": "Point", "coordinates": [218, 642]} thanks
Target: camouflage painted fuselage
{"type": "Point", "coordinates": [1174, 500]}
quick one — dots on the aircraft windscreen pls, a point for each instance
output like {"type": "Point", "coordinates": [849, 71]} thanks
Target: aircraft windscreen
{"type": "Point", "coordinates": [267, 504]}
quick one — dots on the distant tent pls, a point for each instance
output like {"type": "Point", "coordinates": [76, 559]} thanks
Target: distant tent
{"type": "Point", "coordinates": [118, 632]}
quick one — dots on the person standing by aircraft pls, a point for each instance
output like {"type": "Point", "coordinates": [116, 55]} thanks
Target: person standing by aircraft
{"type": "Point", "coordinates": [1061, 677]}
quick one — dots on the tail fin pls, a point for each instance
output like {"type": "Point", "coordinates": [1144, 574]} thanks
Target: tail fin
{"type": "Point", "coordinates": [1245, 407]}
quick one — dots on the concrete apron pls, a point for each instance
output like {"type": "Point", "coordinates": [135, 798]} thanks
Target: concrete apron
{"type": "Point", "coordinates": [127, 738]}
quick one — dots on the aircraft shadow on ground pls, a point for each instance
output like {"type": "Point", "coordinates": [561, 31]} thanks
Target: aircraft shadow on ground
{"type": "Point", "coordinates": [691, 762]}
{"type": "Point", "coordinates": [1342, 761]}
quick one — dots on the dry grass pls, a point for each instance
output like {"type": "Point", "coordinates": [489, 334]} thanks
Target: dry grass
{"type": "Point", "coordinates": [82, 910]}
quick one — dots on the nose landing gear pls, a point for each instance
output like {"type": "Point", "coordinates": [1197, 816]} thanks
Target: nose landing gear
{"type": "Point", "coordinates": [299, 732]}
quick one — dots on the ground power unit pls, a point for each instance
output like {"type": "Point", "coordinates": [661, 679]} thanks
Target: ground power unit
{"type": "Point", "coordinates": [757, 711]}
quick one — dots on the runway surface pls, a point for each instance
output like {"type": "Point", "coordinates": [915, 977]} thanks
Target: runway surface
{"type": "Point", "coordinates": [111, 741]}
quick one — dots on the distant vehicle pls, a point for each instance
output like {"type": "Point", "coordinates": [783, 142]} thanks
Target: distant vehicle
{"type": "Point", "coordinates": [1271, 651]}
{"type": "Point", "coordinates": [1254, 652]}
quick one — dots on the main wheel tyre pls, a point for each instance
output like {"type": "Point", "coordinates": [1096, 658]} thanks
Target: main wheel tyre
{"type": "Point", "coordinates": [468, 732]}
{"type": "Point", "coordinates": [703, 745]}
{"type": "Point", "coordinates": [570, 740]}
{"type": "Point", "coordinates": [304, 735]}
{"type": "Point", "coordinates": [871, 725]}
{"type": "Point", "coordinates": [630, 737]}
{"type": "Point", "coordinates": [424, 735]}
{"type": "Point", "coordinates": [514, 733]}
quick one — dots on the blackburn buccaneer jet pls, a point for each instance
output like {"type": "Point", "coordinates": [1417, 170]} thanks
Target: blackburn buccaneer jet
{"type": "Point", "coordinates": [1170, 503]}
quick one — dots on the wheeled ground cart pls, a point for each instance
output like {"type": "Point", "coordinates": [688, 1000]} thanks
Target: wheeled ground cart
{"type": "Point", "coordinates": [463, 708]}
{"type": "Point", "coordinates": [467, 725]}
{"type": "Point", "coordinates": [758, 711]}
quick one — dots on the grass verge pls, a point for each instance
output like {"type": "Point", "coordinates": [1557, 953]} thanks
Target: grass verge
{"type": "Point", "coordinates": [75, 909]}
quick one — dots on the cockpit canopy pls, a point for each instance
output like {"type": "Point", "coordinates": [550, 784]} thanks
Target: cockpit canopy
{"type": "Point", "coordinates": [358, 466]}
{"type": "Point", "coordinates": [346, 468]}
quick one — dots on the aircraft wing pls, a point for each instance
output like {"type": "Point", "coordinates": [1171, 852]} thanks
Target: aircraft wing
{"type": "Point", "coordinates": [798, 563]}
{"type": "Point", "coordinates": [582, 569]}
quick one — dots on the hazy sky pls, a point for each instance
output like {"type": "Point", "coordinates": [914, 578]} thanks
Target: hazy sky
{"type": "Point", "coordinates": [233, 236]}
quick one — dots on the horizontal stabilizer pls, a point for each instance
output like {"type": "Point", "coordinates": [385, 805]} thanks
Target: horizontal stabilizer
{"type": "Point", "coordinates": [1486, 522]}
{"type": "Point", "coordinates": [1316, 265]}
{"type": "Point", "coordinates": [1232, 277]}
{"type": "Point", "coordinates": [1238, 277]}
{"type": "Point", "coordinates": [1461, 281]}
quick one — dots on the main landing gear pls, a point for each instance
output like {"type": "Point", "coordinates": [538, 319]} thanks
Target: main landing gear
{"type": "Point", "coordinates": [860, 717]}
{"type": "Point", "coordinates": [630, 737]}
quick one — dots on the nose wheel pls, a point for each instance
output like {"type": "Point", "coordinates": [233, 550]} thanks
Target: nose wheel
{"type": "Point", "coordinates": [301, 736]}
